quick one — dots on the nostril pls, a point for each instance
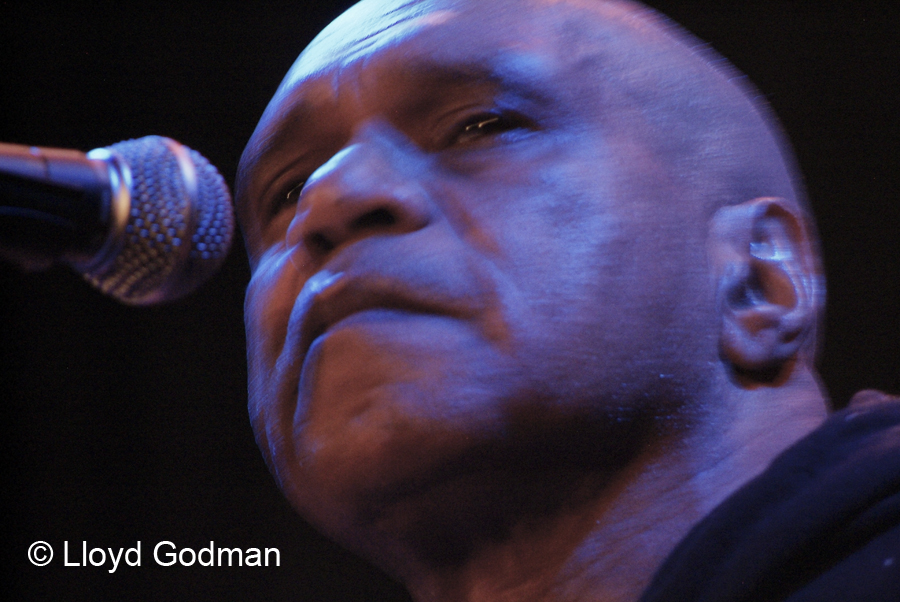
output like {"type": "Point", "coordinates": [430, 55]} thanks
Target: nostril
{"type": "Point", "coordinates": [322, 237]}
{"type": "Point", "coordinates": [322, 241]}
{"type": "Point", "coordinates": [377, 218]}
{"type": "Point", "coordinates": [319, 243]}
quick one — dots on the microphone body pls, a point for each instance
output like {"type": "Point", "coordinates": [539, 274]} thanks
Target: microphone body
{"type": "Point", "coordinates": [144, 220]}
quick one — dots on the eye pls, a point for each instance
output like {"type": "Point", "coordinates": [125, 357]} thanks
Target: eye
{"type": "Point", "coordinates": [484, 125]}
{"type": "Point", "coordinates": [287, 199]}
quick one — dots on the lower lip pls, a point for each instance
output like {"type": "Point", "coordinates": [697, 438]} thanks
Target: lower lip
{"type": "Point", "coordinates": [374, 317]}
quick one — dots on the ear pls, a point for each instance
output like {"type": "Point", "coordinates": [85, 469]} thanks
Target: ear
{"type": "Point", "coordinates": [768, 283]}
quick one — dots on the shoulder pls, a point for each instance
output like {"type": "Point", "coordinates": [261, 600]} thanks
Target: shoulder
{"type": "Point", "coordinates": [821, 523]}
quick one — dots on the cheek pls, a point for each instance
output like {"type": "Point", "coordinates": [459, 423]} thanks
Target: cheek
{"type": "Point", "coordinates": [562, 245]}
{"type": "Point", "coordinates": [544, 211]}
{"type": "Point", "coordinates": [594, 280]}
{"type": "Point", "coordinates": [270, 298]}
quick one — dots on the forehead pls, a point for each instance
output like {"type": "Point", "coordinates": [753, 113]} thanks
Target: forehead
{"type": "Point", "coordinates": [389, 57]}
{"type": "Point", "coordinates": [383, 40]}
{"type": "Point", "coordinates": [374, 48]}
{"type": "Point", "coordinates": [378, 42]}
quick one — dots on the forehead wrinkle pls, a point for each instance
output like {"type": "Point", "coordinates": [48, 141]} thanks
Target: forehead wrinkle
{"type": "Point", "coordinates": [354, 39]}
{"type": "Point", "coordinates": [407, 26]}
{"type": "Point", "coordinates": [361, 31]}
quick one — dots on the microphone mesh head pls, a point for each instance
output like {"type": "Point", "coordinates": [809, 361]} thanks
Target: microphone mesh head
{"type": "Point", "coordinates": [179, 227]}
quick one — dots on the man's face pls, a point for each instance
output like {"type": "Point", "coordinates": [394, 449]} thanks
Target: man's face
{"type": "Point", "coordinates": [486, 248]}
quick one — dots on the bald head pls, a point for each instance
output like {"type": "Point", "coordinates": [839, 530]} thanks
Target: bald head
{"type": "Point", "coordinates": [484, 235]}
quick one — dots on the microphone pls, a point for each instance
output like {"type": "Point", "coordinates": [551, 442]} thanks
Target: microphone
{"type": "Point", "coordinates": [145, 221]}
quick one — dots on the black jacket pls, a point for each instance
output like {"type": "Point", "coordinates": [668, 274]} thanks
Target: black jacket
{"type": "Point", "coordinates": [822, 523]}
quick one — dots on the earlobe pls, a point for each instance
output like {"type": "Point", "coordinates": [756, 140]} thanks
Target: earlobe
{"type": "Point", "coordinates": [767, 282]}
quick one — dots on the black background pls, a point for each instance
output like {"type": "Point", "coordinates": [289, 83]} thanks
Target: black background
{"type": "Point", "coordinates": [124, 424]}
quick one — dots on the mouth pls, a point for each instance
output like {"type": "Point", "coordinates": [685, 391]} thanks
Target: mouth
{"type": "Point", "coordinates": [329, 298]}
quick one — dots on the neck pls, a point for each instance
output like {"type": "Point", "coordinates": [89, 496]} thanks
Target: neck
{"type": "Point", "coordinates": [608, 545]}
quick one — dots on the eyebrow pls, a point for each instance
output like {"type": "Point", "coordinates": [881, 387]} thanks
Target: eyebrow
{"type": "Point", "coordinates": [516, 74]}
{"type": "Point", "coordinates": [261, 147]}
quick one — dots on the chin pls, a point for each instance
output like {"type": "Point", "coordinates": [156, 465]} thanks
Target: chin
{"type": "Point", "coordinates": [383, 399]}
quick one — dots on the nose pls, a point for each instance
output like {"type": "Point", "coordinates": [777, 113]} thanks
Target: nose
{"type": "Point", "coordinates": [371, 187]}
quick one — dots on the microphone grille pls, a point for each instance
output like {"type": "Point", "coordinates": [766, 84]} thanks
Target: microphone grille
{"type": "Point", "coordinates": [179, 224]}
